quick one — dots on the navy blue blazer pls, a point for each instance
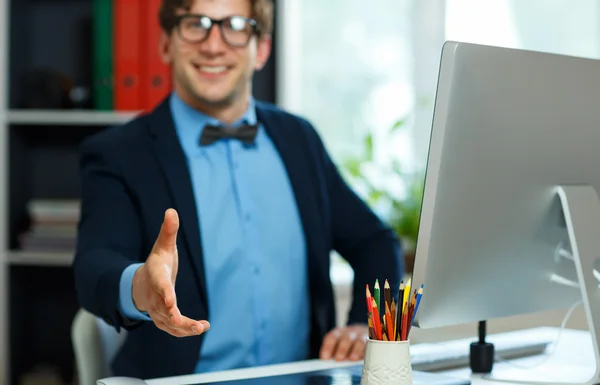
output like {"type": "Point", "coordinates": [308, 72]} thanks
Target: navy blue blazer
{"type": "Point", "coordinates": [133, 173]}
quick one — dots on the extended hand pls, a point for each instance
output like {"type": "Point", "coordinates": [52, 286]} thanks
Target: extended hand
{"type": "Point", "coordinates": [345, 343]}
{"type": "Point", "coordinates": [154, 284]}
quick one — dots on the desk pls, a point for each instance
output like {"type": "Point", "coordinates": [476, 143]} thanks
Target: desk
{"type": "Point", "coordinates": [574, 348]}
{"type": "Point", "coordinates": [573, 356]}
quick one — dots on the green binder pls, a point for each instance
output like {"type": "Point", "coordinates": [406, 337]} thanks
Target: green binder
{"type": "Point", "coordinates": [103, 55]}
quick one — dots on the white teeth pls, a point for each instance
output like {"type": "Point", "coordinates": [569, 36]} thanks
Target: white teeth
{"type": "Point", "coordinates": [213, 69]}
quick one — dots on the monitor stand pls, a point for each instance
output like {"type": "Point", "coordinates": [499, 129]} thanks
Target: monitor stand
{"type": "Point", "coordinates": [581, 209]}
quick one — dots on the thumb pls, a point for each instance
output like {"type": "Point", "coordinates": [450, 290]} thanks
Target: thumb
{"type": "Point", "coordinates": [167, 237]}
{"type": "Point", "coordinates": [161, 283]}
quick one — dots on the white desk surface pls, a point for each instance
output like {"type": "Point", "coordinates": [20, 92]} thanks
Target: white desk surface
{"type": "Point", "coordinates": [573, 356]}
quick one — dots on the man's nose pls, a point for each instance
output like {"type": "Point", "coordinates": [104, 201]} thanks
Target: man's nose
{"type": "Point", "coordinates": [214, 41]}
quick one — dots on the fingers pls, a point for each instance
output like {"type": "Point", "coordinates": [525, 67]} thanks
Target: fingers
{"type": "Point", "coordinates": [358, 349]}
{"type": "Point", "coordinates": [329, 343]}
{"type": "Point", "coordinates": [345, 345]}
{"type": "Point", "coordinates": [170, 320]}
{"type": "Point", "coordinates": [171, 315]}
{"type": "Point", "coordinates": [205, 326]}
{"type": "Point", "coordinates": [167, 237]}
{"type": "Point", "coordinates": [185, 327]}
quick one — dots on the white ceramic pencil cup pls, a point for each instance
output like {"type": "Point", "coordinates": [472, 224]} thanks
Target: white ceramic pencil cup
{"type": "Point", "coordinates": [387, 363]}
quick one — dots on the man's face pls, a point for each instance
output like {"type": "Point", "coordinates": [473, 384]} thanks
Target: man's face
{"type": "Point", "coordinates": [211, 72]}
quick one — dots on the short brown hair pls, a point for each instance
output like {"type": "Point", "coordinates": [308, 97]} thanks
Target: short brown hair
{"type": "Point", "coordinates": [262, 12]}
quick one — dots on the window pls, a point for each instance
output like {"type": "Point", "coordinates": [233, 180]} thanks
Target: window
{"type": "Point", "coordinates": [351, 66]}
{"type": "Point", "coordinates": [558, 26]}
{"type": "Point", "coordinates": [346, 66]}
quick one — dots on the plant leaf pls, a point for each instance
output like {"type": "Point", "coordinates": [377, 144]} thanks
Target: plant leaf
{"type": "Point", "coordinates": [352, 167]}
{"type": "Point", "coordinates": [369, 147]}
{"type": "Point", "coordinates": [398, 125]}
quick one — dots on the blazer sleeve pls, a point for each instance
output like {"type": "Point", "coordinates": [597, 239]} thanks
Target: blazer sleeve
{"type": "Point", "coordinates": [109, 232]}
{"type": "Point", "coordinates": [359, 236]}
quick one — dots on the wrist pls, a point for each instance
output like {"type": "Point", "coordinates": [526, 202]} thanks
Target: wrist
{"type": "Point", "coordinates": [136, 289]}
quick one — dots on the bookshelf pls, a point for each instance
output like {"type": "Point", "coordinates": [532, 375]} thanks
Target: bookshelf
{"type": "Point", "coordinates": [39, 258]}
{"type": "Point", "coordinates": [46, 58]}
{"type": "Point", "coordinates": [64, 118]}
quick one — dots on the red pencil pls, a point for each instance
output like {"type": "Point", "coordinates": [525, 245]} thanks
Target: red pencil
{"type": "Point", "coordinates": [404, 322]}
{"type": "Point", "coordinates": [369, 303]}
{"type": "Point", "coordinates": [376, 320]}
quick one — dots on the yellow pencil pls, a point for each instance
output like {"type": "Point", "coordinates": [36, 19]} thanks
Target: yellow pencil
{"type": "Point", "coordinates": [406, 293]}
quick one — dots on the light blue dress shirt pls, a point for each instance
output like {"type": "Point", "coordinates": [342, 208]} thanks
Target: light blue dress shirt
{"type": "Point", "coordinates": [253, 245]}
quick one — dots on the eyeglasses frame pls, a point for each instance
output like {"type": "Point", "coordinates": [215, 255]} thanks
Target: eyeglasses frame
{"type": "Point", "coordinates": [220, 23]}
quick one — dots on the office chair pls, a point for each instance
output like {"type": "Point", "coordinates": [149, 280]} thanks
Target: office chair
{"type": "Point", "coordinates": [95, 344]}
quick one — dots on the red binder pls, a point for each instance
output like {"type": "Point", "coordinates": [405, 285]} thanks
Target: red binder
{"type": "Point", "coordinates": [156, 76]}
{"type": "Point", "coordinates": [127, 56]}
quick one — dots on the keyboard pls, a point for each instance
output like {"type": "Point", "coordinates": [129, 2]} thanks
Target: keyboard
{"type": "Point", "coordinates": [454, 354]}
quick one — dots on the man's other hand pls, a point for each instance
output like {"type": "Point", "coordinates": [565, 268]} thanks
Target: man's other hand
{"type": "Point", "coordinates": [347, 343]}
{"type": "Point", "coordinates": [154, 284]}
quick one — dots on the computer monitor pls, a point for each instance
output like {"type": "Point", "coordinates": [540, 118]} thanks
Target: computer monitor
{"type": "Point", "coordinates": [511, 181]}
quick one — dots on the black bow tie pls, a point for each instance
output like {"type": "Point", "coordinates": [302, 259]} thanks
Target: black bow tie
{"type": "Point", "coordinates": [246, 133]}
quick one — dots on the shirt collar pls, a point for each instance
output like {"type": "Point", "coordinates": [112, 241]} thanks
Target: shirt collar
{"type": "Point", "coordinates": [189, 122]}
{"type": "Point", "coordinates": [180, 107]}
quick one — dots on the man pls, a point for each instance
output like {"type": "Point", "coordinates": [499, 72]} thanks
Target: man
{"type": "Point", "coordinates": [180, 225]}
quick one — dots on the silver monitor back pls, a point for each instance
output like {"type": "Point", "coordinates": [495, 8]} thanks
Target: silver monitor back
{"type": "Point", "coordinates": [509, 126]}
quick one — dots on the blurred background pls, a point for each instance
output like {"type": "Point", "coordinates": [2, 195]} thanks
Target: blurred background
{"type": "Point", "coordinates": [364, 73]}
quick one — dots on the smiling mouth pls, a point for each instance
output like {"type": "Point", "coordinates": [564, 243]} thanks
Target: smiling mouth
{"type": "Point", "coordinates": [211, 69]}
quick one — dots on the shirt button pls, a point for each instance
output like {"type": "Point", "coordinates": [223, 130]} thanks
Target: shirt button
{"type": "Point", "coordinates": [256, 270]}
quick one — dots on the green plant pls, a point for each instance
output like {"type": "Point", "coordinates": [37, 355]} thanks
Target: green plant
{"type": "Point", "coordinates": [400, 210]}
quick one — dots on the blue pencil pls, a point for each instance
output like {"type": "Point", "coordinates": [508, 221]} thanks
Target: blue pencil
{"type": "Point", "coordinates": [419, 295]}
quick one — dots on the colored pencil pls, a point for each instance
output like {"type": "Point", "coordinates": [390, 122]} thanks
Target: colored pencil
{"type": "Point", "coordinates": [406, 293]}
{"type": "Point", "coordinates": [369, 303]}
{"type": "Point", "coordinates": [376, 320]}
{"type": "Point", "coordinates": [372, 334]}
{"type": "Point", "coordinates": [393, 314]}
{"type": "Point", "coordinates": [398, 331]}
{"type": "Point", "coordinates": [404, 322]}
{"type": "Point", "coordinates": [419, 295]}
{"type": "Point", "coordinates": [377, 293]}
{"type": "Point", "coordinates": [388, 319]}
{"type": "Point", "coordinates": [411, 305]}
{"type": "Point", "coordinates": [388, 323]}
{"type": "Point", "coordinates": [387, 292]}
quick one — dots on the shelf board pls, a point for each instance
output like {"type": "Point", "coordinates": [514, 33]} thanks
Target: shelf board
{"type": "Point", "coordinates": [69, 117]}
{"type": "Point", "coordinates": [34, 258]}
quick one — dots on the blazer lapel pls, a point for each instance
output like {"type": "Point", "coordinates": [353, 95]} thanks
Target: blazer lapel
{"type": "Point", "coordinates": [171, 157]}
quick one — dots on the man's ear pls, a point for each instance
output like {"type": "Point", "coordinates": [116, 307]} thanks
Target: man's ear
{"type": "Point", "coordinates": [263, 51]}
{"type": "Point", "coordinates": [164, 47]}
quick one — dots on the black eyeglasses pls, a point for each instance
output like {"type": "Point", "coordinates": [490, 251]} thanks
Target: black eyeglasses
{"type": "Point", "coordinates": [235, 30]}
